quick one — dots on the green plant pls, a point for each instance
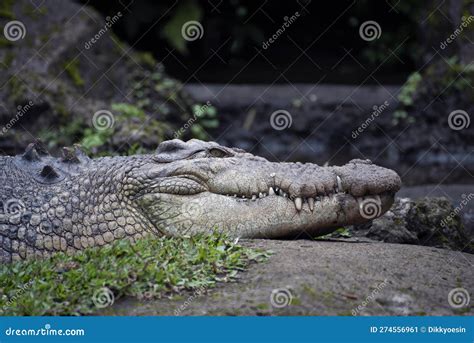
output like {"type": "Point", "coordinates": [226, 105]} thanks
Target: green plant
{"type": "Point", "coordinates": [172, 31]}
{"type": "Point", "coordinates": [206, 119]}
{"type": "Point", "coordinates": [72, 69]}
{"type": "Point", "coordinates": [406, 98]}
{"type": "Point", "coordinates": [150, 268]}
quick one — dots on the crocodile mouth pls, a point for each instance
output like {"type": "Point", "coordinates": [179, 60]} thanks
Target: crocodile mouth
{"type": "Point", "coordinates": [309, 202]}
{"type": "Point", "coordinates": [188, 185]}
{"type": "Point", "coordinates": [189, 204]}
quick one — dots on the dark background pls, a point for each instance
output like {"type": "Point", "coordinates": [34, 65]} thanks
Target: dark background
{"type": "Point", "coordinates": [327, 32]}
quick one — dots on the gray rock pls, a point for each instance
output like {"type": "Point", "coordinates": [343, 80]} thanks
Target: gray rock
{"type": "Point", "coordinates": [70, 65]}
{"type": "Point", "coordinates": [331, 278]}
{"type": "Point", "coordinates": [426, 221]}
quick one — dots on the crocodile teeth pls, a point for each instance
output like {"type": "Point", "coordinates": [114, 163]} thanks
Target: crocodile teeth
{"type": "Point", "coordinates": [311, 204]}
{"type": "Point", "coordinates": [298, 204]}
{"type": "Point", "coordinates": [260, 195]}
{"type": "Point", "coordinates": [271, 191]}
{"type": "Point", "coordinates": [254, 197]}
{"type": "Point", "coordinates": [339, 184]}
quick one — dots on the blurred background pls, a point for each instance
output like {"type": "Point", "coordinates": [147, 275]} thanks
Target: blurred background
{"type": "Point", "coordinates": [325, 82]}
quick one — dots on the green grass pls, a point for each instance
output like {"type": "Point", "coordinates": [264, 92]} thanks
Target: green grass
{"type": "Point", "coordinates": [72, 69]}
{"type": "Point", "coordinates": [150, 268]}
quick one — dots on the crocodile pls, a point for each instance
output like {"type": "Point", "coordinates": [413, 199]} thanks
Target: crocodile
{"type": "Point", "coordinates": [69, 203]}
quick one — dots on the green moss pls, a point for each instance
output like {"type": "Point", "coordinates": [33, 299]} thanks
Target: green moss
{"type": "Point", "coordinates": [128, 110]}
{"type": "Point", "coordinates": [5, 42]}
{"type": "Point", "coordinates": [310, 290]}
{"type": "Point", "coordinates": [152, 267]}
{"type": "Point", "coordinates": [185, 12]}
{"type": "Point", "coordinates": [7, 60]}
{"type": "Point", "coordinates": [95, 138]}
{"type": "Point", "coordinates": [409, 89]}
{"type": "Point", "coordinates": [118, 45]}
{"type": "Point", "coordinates": [341, 232]}
{"type": "Point", "coordinates": [72, 69]}
{"type": "Point", "coordinates": [147, 59]}
{"type": "Point", "coordinates": [262, 307]}
{"type": "Point", "coordinates": [33, 11]}
{"type": "Point", "coordinates": [17, 89]}
{"type": "Point", "coordinates": [6, 9]}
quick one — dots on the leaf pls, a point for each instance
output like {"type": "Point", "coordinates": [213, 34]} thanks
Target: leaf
{"type": "Point", "coordinates": [186, 11]}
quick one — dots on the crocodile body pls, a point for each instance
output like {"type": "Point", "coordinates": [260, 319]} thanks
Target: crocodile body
{"type": "Point", "coordinates": [50, 204]}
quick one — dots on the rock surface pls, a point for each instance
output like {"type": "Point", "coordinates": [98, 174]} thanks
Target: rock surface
{"type": "Point", "coordinates": [69, 65]}
{"type": "Point", "coordinates": [427, 221]}
{"type": "Point", "coordinates": [330, 278]}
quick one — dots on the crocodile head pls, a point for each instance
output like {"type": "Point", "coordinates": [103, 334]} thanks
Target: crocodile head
{"type": "Point", "coordinates": [195, 186]}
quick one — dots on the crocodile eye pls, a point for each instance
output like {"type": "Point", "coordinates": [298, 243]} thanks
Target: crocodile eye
{"type": "Point", "coordinates": [214, 152]}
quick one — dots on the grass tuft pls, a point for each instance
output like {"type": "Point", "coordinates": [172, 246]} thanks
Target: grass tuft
{"type": "Point", "coordinates": [150, 268]}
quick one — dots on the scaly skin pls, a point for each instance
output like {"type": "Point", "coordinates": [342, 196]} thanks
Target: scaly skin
{"type": "Point", "coordinates": [71, 203]}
